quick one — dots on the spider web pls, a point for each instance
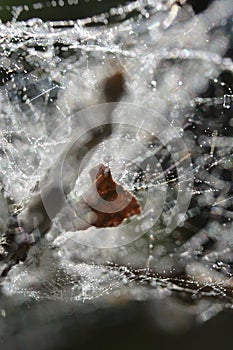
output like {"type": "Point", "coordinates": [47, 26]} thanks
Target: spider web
{"type": "Point", "coordinates": [51, 70]}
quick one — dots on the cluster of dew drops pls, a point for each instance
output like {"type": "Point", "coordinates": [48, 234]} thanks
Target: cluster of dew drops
{"type": "Point", "coordinates": [34, 56]}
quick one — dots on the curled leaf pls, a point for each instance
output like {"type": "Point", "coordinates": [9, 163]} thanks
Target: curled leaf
{"type": "Point", "coordinates": [110, 202]}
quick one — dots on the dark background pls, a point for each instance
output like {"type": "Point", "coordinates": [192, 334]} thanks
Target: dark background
{"type": "Point", "coordinates": [134, 325]}
{"type": "Point", "coordinates": [84, 8]}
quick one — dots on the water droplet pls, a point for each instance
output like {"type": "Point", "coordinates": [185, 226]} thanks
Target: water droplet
{"type": "Point", "coordinates": [227, 101]}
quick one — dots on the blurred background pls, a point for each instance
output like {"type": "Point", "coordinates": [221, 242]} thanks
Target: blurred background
{"type": "Point", "coordinates": [57, 9]}
{"type": "Point", "coordinates": [69, 9]}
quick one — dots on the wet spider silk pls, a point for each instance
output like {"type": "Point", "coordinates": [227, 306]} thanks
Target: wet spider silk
{"type": "Point", "coordinates": [51, 70]}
